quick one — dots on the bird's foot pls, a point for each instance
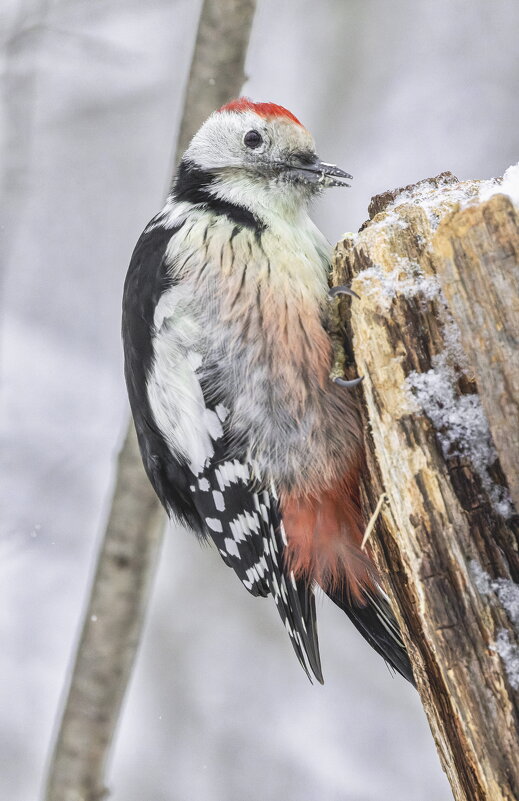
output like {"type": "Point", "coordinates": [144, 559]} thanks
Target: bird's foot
{"type": "Point", "coordinates": [334, 292]}
{"type": "Point", "coordinates": [342, 289]}
{"type": "Point", "coordinates": [348, 383]}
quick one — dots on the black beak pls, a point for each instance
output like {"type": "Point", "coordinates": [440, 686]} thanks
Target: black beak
{"type": "Point", "coordinates": [317, 172]}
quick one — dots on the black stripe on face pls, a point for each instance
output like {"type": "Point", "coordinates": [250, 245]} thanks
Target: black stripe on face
{"type": "Point", "coordinates": [194, 185]}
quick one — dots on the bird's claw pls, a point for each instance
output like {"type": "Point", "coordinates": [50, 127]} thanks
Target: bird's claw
{"type": "Point", "coordinates": [348, 383]}
{"type": "Point", "coordinates": [342, 290]}
{"type": "Point", "coordinates": [334, 292]}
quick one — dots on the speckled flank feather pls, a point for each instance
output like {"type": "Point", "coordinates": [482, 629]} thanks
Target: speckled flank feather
{"type": "Point", "coordinates": [227, 361]}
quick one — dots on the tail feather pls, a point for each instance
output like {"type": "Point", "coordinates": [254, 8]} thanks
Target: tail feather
{"type": "Point", "coordinates": [376, 622]}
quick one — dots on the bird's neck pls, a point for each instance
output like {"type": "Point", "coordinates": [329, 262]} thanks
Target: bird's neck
{"type": "Point", "coordinates": [271, 204]}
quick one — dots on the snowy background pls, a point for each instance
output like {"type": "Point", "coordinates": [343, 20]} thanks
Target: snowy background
{"type": "Point", "coordinates": [218, 708]}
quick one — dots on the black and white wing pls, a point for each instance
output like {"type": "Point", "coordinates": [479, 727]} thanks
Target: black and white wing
{"type": "Point", "coordinates": [243, 519]}
{"type": "Point", "coordinates": [186, 450]}
{"type": "Point", "coordinates": [147, 280]}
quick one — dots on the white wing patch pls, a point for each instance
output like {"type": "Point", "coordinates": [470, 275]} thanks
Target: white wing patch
{"type": "Point", "coordinates": [231, 472]}
{"type": "Point", "coordinates": [221, 411]}
{"type": "Point", "coordinates": [174, 390]}
{"type": "Point", "coordinates": [214, 524]}
{"type": "Point", "coordinates": [218, 500]}
{"type": "Point", "coordinates": [246, 523]}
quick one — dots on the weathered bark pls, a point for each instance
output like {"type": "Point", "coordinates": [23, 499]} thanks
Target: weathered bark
{"type": "Point", "coordinates": [478, 249]}
{"type": "Point", "coordinates": [434, 329]}
{"type": "Point", "coordinates": [118, 599]}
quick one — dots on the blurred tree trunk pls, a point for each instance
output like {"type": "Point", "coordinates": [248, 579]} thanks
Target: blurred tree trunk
{"type": "Point", "coordinates": [436, 333]}
{"type": "Point", "coordinates": [131, 545]}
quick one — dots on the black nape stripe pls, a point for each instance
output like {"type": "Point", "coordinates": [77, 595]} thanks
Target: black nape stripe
{"type": "Point", "coordinates": [191, 183]}
{"type": "Point", "coordinates": [194, 185]}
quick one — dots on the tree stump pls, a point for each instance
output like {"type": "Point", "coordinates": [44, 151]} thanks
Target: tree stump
{"type": "Point", "coordinates": [436, 335]}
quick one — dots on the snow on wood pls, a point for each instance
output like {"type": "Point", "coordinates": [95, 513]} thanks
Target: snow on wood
{"type": "Point", "coordinates": [433, 334]}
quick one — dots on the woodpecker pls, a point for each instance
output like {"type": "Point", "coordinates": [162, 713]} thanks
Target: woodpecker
{"type": "Point", "coordinates": [243, 435]}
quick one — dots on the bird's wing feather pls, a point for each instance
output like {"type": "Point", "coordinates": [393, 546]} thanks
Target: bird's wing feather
{"type": "Point", "coordinates": [147, 280]}
{"type": "Point", "coordinates": [244, 521]}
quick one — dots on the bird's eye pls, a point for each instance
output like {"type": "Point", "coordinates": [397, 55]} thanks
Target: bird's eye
{"type": "Point", "coordinates": [253, 139]}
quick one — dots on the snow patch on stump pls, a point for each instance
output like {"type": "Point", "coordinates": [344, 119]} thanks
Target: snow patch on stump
{"type": "Point", "coordinates": [407, 279]}
{"type": "Point", "coordinates": [507, 592]}
{"type": "Point", "coordinates": [509, 653]}
{"type": "Point", "coordinates": [507, 185]}
{"type": "Point", "coordinates": [460, 424]}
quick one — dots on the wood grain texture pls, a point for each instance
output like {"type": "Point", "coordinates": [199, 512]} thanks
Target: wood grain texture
{"type": "Point", "coordinates": [478, 260]}
{"type": "Point", "coordinates": [447, 540]}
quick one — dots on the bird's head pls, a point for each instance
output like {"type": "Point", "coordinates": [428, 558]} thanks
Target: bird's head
{"type": "Point", "coordinates": [257, 155]}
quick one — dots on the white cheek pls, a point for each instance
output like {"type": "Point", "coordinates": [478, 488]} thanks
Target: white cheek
{"type": "Point", "coordinates": [218, 143]}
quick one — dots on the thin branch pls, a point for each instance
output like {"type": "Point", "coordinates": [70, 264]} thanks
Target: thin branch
{"type": "Point", "coordinates": [128, 557]}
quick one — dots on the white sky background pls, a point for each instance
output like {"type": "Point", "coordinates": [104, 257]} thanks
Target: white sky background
{"type": "Point", "coordinates": [218, 709]}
